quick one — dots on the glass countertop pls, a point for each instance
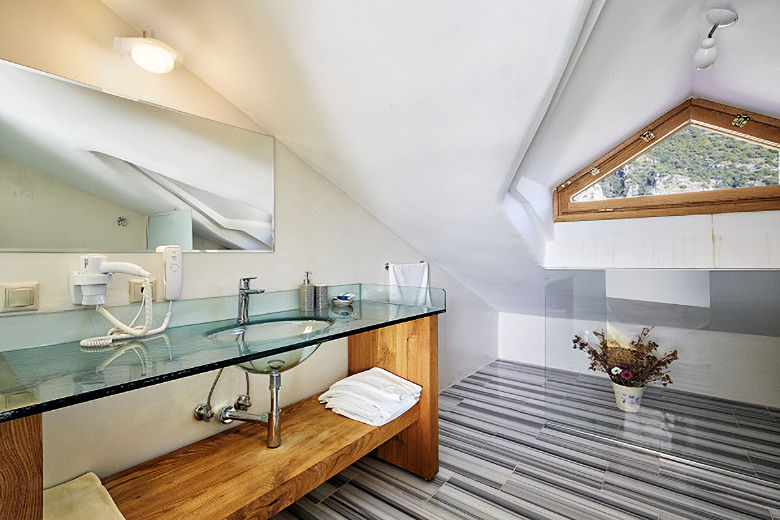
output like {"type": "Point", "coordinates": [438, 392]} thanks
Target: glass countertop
{"type": "Point", "coordinates": [36, 379]}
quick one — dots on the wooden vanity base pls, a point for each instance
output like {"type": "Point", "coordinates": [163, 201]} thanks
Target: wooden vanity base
{"type": "Point", "coordinates": [409, 350]}
{"type": "Point", "coordinates": [234, 474]}
{"type": "Point", "coordinates": [21, 469]}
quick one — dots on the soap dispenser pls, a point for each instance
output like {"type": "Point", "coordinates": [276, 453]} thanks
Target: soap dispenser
{"type": "Point", "coordinates": [306, 294]}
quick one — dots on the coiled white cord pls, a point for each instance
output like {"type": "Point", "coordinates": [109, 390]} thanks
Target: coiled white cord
{"type": "Point", "coordinates": [138, 348]}
{"type": "Point", "coordinates": [122, 331]}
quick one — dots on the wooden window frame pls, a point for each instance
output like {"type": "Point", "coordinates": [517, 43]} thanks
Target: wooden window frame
{"type": "Point", "coordinates": [759, 129]}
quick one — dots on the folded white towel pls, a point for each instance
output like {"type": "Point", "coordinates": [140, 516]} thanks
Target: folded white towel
{"type": "Point", "coordinates": [367, 411]}
{"type": "Point", "coordinates": [366, 392]}
{"type": "Point", "coordinates": [348, 412]}
{"type": "Point", "coordinates": [374, 397]}
{"type": "Point", "coordinates": [379, 378]}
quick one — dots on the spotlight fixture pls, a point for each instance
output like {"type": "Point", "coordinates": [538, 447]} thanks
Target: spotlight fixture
{"type": "Point", "coordinates": [708, 52]}
{"type": "Point", "coordinates": [148, 53]}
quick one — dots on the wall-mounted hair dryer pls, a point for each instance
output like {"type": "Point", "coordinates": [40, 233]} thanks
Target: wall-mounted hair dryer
{"type": "Point", "coordinates": [88, 285]}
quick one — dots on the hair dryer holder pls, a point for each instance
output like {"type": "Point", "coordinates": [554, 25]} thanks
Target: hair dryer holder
{"type": "Point", "coordinates": [89, 284]}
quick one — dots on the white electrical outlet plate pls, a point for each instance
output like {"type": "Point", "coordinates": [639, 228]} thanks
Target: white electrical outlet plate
{"type": "Point", "coordinates": [19, 297]}
{"type": "Point", "coordinates": [136, 284]}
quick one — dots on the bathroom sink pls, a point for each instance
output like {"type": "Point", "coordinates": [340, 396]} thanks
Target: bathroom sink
{"type": "Point", "coordinates": [278, 362]}
{"type": "Point", "coordinates": [252, 333]}
{"type": "Point", "coordinates": [257, 331]}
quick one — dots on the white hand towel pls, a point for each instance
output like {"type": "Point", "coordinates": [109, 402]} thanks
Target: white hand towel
{"type": "Point", "coordinates": [366, 392]}
{"type": "Point", "coordinates": [381, 379]}
{"type": "Point", "coordinates": [409, 275]}
{"type": "Point", "coordinates": [371, 420]}
{"type": "Point", "coordinates": [374, 396]}
{"type": "Point", "coordinates": [367, 411]}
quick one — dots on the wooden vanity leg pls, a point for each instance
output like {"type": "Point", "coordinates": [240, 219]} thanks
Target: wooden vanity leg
{"type": "Point", "coordinates": [409, 350]}
{"type": "Point", "coordinates": [21, 469]}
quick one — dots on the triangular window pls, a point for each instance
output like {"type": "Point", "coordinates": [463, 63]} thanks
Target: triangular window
{"type": "Point", "coordinates": [691, 160]}
{"type": "Point", "coordinates": [699, 158]}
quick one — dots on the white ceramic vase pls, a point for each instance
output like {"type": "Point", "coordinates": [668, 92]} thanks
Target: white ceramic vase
{"type": "Point", "coordinates": [628, 398]}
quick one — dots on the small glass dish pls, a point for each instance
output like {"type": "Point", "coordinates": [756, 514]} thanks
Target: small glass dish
{"type": "Point", "coordinates": [343, 300]}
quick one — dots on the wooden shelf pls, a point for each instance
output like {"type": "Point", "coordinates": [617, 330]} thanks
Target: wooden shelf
{"type": "Point", "coordinates": [235, 475]}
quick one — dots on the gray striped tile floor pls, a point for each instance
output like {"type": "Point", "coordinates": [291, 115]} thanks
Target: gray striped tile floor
{"type": "Point", "coordinates": [519, 442]}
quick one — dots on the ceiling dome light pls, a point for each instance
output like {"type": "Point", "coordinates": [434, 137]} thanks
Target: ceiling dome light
{"type": "Point", "coordinates": [148, 53]}
{"type": "Point", "coordinates": [708, 52]}
{"type": "Point", "coordinates": [721, 17]}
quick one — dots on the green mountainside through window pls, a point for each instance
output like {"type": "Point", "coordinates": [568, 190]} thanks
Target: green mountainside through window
{"type": "Point", "coordinates": [693, 159]}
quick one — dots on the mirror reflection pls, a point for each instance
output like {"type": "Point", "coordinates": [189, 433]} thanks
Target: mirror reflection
{"type": "Point", "coordinates": [84, 170]}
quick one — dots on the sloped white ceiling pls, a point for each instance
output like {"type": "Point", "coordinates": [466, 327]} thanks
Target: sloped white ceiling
{"type": "Point", "coordinates": [416, 109]}
{"type": "Point", "coordinates": [638, 64]}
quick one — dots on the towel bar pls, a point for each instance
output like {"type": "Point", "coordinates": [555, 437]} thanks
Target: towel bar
{"type": "Point", "coordinates": [387, 264]}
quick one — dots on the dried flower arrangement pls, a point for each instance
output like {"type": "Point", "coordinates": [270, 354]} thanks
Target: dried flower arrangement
{"type": "Point", "coordinates": [635, 364]}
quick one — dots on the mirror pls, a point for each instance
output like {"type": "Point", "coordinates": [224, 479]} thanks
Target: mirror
{"type": "Point", "coordinates": [86, 171]}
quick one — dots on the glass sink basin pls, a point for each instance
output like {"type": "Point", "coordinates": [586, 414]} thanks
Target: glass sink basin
{"type": "Point", "coordinates": [257, 331]}
{"type": "Point", "coordinates": [278, 362]}
{"type": "Point", "coordinates": [244, 336]}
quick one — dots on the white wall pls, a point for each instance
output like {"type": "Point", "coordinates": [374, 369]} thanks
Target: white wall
{"type": "Point", "coordinates": [521, 338]}
{"type": "Point", "coordinates": [726, 240]}
{"type": "Point", "coordinates": [318, 228]}
{"type": "Point", "coordinates": [676, 287]}
{"type": "Point", "coordinates": [49, 214]}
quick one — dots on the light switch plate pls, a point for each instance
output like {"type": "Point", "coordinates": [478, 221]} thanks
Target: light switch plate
{"type": "Point", "coordinates": [135, 289]}
{"type": "Point", "coordinates": [19, 297]}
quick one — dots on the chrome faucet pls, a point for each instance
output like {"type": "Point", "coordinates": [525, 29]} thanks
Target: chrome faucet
{"type": "Point", "coordinates": [238, 412]}
{"type": "Point", "coordinates": [244, 291]}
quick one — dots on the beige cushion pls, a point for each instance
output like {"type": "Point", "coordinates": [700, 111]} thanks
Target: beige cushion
{"type": "Point", "coordinates": [83, 498]}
